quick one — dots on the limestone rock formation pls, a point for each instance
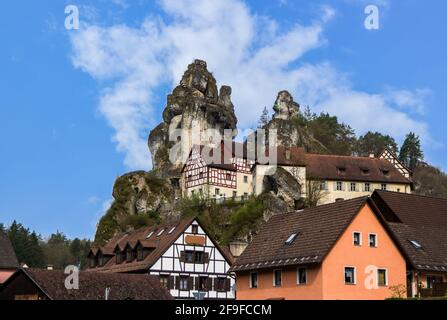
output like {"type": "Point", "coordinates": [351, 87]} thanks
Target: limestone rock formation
{"type": "Point", "coordinates": [285, 108]}
{"type": "Point", "coordinates": [284, 186]}
{"type": "Point", "coordinates": [194, 106]}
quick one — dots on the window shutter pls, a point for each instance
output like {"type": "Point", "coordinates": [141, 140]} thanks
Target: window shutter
{"type": "Point", "coordinates": [343, 186]}
{"type": "Point", "coordinates": [335, 185]}
{"type": "Point", "coordinates": [182, 256]}
{"type": "Point", "coordinates": [227, 284]}
{"type": "Point", "coordinates": [177, 282]}
{"type": "Point", "coordinates": [209, 284]}
{"type": "Point", "coordinates": [191, 283]}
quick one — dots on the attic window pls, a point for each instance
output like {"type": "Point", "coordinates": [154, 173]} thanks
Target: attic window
{"type": "Point", "coordinates": [172, 230]}
{"type": "Point", "coordinates": [385, 172]}
{"type": "Point", "coordinates": [415, 244]}
{"type": "Point", "coordinates": [150, 234]}
{"type": "Point", "coordinates": [365, 171]}
{"type": "Point", "coordinates": [160, 232]}
{"type": "Point", "coordinates": [290, 239]}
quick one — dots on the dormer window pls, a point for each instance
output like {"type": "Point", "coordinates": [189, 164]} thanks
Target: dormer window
{"type": "Point", "coordinates": [341, 170]}
{"type": "Point", "coordinates": [365, 171]}
{"type": "Point", "coordinates": [93, 262]}
{"type": "Point", "coordinates": [385, 172]}
{"type": "Point", "coordinates": [140, 253]}
{"type": "Point", "coordinates": [119, 257]}
{"type": "Point", "coordinates": [129, 254]}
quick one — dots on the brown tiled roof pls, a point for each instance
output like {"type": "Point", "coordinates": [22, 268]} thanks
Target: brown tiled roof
{"type": "Point", "coordinates": [92, 286]}
{"type": "Point", "coordinates": [318, 229]}
{"type": "Point", "coordinates": [8, 257]}
{"type": "Point", "coordinates": [327, 167]}
{"type": "Point", "coordinates": [419, 218]}
{"type": "Point", "coordinates": [158, 244]}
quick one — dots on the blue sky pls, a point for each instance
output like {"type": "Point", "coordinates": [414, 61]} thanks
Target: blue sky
{"type": "Point", "coordinates": [77, 105]}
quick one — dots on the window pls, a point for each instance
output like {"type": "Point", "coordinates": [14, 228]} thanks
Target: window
{"type": "Point", "coordinates": [367, 187]}
{"type": "Point", "coordinates": [200, 191]}
{"type": "Point", "coordinates": [129, 255]}
{"type": "Point", "coordinates": [217, 191]}
{"type": "Point", "coordinates": [431, 280]}
{"type": "Point", "coordinates": [277, 278]}
{"type": "Point", "coordinates": [164, 280]}
{"type": "Point", "coordinates": [339, 186]}
{"type": "Point", "coordinates": [385, 172]}
{"type": "Point", "coordinates": [415, 244]}
{"type": "Point", "coordinates": [190, 177]}
{"type": "Point", "coordinates": [183, 283]}
{"type": "Point", "coordinates": [291, 238]}
{"type": "Point", "coordinates": [353, 186]}
{"type": "Point", "coordinates": [140, 253]}
{"type": "Point", "coordinates": [382, 280]}
{"type": "Point", "coordinates": [302, 276]}
{"type": "Point", "coordinates": [119, 257]}
{"type": "Point", "coordinates": [245, 179]}
{"type": "Point", "coordinates": [357, 238]}
{"type": "Point", "coordinates": [202, 284]}
{"type": "Point", "coordinates": [195, 229]}
{"type": "Point", "coordinates": [200, 175]}
{"type": "Point", "coordinates": [228, 175]}
{"type": "Point", "coordinates": [189, 256]}
{"type": "Point", "coordinates": [323, 185]}
{"type": "Point", "coordinates": [383, 186]}
{"type": "Point", "coordinates": [234, 194]}
{"type": "Point", "coordinates": [92, 262]}
{"type": "Point", "coordinates": [172, 230]}
{"type": "Point", "coordinates": [160, 232]}
{"type": "Point", "coordinates": [365, 171]}
{"type": "Point", "coordinates": [349, 275]}
{"type": "Point", "coordinates": [198, 257]}
{"type": "Point", "coordinates": [219, 284]}
{"type": "Point", "coordinates": [373, 240]}
{"type": "Point", "coordinates": [253, 280]}
{"type": "Point", "coordinates": [150, 234]}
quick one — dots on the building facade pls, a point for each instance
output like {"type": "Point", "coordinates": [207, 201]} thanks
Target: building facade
{"type": "Point", "coordinates": [188, 262]}
{"type": "Point", "coordinates": [224, 173]}
{"type": "Point", "coordinates": [335, 251]}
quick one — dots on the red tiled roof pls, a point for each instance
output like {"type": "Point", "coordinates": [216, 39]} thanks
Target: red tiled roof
{"type": "Point", "coordinates": [419, 218]}
{"type": "Point", "coordinates": [8, 257]}
{"type": "Point", "coordinates": [92, 285]}
{"type": "Point", "coordinates": [317, 231]}
{"type": "Point", "coordinates": [333, 167]}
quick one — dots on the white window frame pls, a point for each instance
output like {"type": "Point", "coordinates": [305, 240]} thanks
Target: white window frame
{"type": "Point", "coordinates": [351, 185]}
{"type": "Point", "coordinates": [367, 189]}
{"type": "Point", "coordinates": [274, 272]}
{"type": "Point", "coordinates": [298, 276]}
{"type": "Point", "coordinates": [353, 239]}
{"type": "Point", "coordinates": [355, 275]}
{"type": "Point", "coordinates": [386, 277]}
{"type": "Point", "coordinates": [336, 185]}
{"type": "Point", "coordinates": [369, 240]}
{"type": "Point", "coordinates": [383, 187]}
{"type": "Point", "coordinates": [250, 283]}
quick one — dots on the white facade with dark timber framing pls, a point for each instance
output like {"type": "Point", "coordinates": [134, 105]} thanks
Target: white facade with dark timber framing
{"type": "Point", "coordinates": [184, 256]}
{"type": "Point", "coordinates": [194, 264]}
{"type": "Point", "coordinates": [392, 158]}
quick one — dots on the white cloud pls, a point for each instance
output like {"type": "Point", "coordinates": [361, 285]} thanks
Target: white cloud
{"type": "Point", "coordinates": [243, 50]}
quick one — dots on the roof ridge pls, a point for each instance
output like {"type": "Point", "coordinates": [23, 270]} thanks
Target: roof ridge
{"type": "Point", "coordinates": [411, 194]}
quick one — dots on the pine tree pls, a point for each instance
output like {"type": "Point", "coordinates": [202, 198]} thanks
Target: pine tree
{"type": "Point", "coordinates": [375, 143]}
{"type": "Point", "coordinates": [410, 152]}
{"type": "Point", "coordinates": [264, 119]}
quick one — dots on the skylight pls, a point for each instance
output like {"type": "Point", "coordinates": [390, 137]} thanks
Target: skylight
{"type": "Point", "coordinates": [416, 244]}
{"type": "Point", "coordinates": [150, 234]}
{"type": "Point", "coordinates": [160, 232]}
{"type": "Point", "coordinates": [172, 230]}
{"type": "Point", "coordinates": [291, 238]}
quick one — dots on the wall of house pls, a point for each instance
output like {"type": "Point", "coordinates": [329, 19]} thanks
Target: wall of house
{"type": "Point", "coordinates": [419, 279]}
{"type": "Point", "coordinates": [170, 264]}
{"type": "Point", "coordinates": [20, 287]}
{"type": "Point", "coordinates": [365, 259]}
{"type": "Point", "coordinates": [289, 289]}
{"type": "Point", "coordinates": [331, 194]}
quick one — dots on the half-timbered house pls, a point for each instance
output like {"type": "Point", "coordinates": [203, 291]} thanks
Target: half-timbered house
{"type": "Point", "coordinates": [183, 255]}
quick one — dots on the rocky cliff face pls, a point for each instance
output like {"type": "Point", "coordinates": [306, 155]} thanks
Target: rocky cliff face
{"type": "Point", "coordinates": [194, 106]}
{"type": "Point", "coordinates": [287, 123]}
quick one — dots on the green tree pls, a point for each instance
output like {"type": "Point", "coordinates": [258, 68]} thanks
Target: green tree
{"type": "Point", "coordinates": [375, 143]}
{"type": "Point", "coordinates": [410, 152]}
{"type": "Point", "coordinates": [26, 245]}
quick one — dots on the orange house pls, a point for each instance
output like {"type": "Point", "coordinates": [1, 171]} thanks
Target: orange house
{"type": "Point", "coordinates": [335, 251]}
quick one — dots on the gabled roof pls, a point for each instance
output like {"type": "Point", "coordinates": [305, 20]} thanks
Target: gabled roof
{"type": "Point", "coordinates": [318, 230]}
{"type": "Point", "coordinates": [158, 243]}
{"type": "Point", "coordinates": [327, 167]}
{"type": "Point", "coordinates": [417, 218]}
{"type": "Point", "coordinates": [92, 285]}
{"type": "Point", "coordinates": [8, 259]}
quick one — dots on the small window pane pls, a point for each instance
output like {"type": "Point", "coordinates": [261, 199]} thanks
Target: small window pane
{"type": "Point", "coordinates": [302, 276]}
{"type": "Point", "coordinates": [253, 280]}
{"type": "Point", "coordinates": [357, 239]}
{"type": "Point", "coordinates": [381, 276]}
{"type": "Point", "coordinates": [277, 278]}
{"type": "Point", "coordinates": [349, 275]}
{"type": "Point", "coordinates": [372, 240]}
